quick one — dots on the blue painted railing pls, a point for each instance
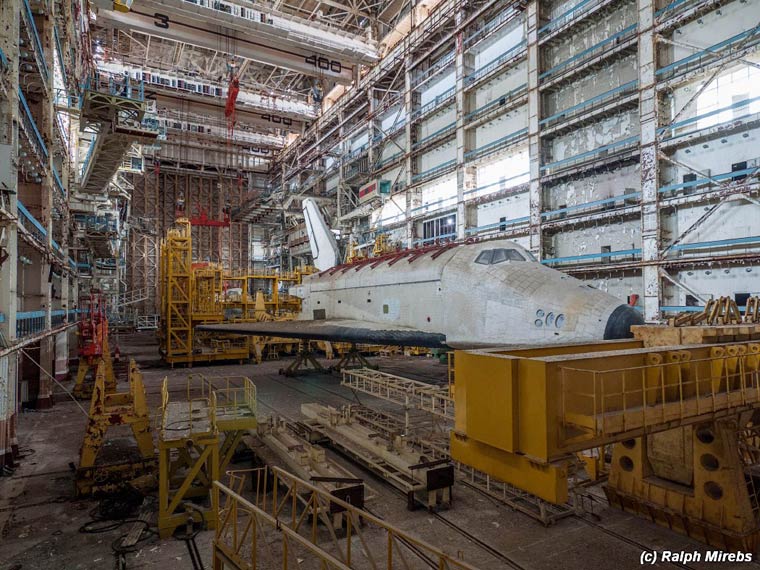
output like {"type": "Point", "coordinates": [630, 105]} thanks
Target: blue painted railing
{"type": "Point", "coordinates": [713, 178]}
{"type": "Point", "coordinates": [504, 16]}
{"type": "Point", "coordinates": [97, 223]}
{"type": "Point", "coordinates": [36, 37]}
{"type": "Point", "coordinates": [579, 57]}
{"type": "Point", "coordinates": [630, 86]}
{"type": "Point", "coordinates": [31, 224]}
{"type": "Point", "coordinates": [442, 132]}
{"type": "Point", "coordinates": [388, 160]}
{"type": "Point", "coordinates": [31, 124]}
{"type": "Point", "coordinates": [58, 183]}
{"type": "Point", "coordinates": [3, 60]}
{"type": "Point", "coordinates": [497, 225]}
{"type": "Point", "coordinates": [492, 184]}
{"type": "Point", "coordinates": [563, 18]}
{"type": "Point", "coordinates": [591, 205]}
{"type": "Point", "coordinates": [29, 323]}
{"type": "Point", "coordinates": [495, 145]}
{"type": "Point", "coordinates": [88, 156]}
{"type": "Point", "coordinates": [438, 66]}
{"type": "Point", "coordinates": [437, 238]}
{"type": "Point", "coordinates": [57, 317]}
{"type": "Point", "coordinates": [748, 240]}
{"type": "Point", "coordinates": [508, 96]}
{"type": "Point", "coordinates": [672, 127]}
{"type": "Point", "coordinates": [582, 156]}
{"type": "Point", "coordinates": [495, 63]}
{"type": "Point", "coordinates": [435, 170]}
{"type": "Point", "coordinates": [589, 256]}
{"type": "Point", "coordinates": [436, 102]}
{"type": "Point", "coordinates": [710, 51]}
{"type": "Point", "coordinates": [434, 206]}
{"type": "Point", "coordinates": [670, 7]}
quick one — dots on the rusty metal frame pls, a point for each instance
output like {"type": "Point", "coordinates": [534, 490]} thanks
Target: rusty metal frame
{"type": "Point", "coordinates": [275, 527]}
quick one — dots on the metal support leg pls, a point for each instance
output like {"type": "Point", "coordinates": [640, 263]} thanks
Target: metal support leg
{"type": "Point", "coordinates": [353, 359]}
{"type": "Point", "coordinates": [304, 358]}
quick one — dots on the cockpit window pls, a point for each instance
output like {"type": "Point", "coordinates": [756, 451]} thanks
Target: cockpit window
{"type": "Point", "coordinates": [485, 257]}
{"type": "Point", "coordinates": [494, 256]}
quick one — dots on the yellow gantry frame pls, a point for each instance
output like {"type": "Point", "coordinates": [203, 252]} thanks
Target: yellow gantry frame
{"type": "Point", "coordinates": [176, 279]}
{"type": "Point", "coordinates": [190, 455]}
{"type": "Point", "coordinates": [109, 408]}
{"type": "Point", "coordinates": [521, 415]}
{"type": "Point", "coordinates": [194, 295]}
{"type": "Point", "coordinates": [83, 390]}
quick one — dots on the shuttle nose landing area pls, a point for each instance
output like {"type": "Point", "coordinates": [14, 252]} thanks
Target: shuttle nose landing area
{"type": "Point", "coordinates": [620, 321]}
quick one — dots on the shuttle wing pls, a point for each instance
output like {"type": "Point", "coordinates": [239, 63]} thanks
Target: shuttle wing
{"type": "Point", "coordinates": [342, 330]}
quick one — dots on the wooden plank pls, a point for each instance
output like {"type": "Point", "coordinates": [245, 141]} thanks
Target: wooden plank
{"type": "Point", "coordinates": [137, 528]}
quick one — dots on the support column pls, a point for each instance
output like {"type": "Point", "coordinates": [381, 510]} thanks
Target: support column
{"type": "Point", "coordinates": [466, 175]}
{"type": "Point", "coordinates": [410, 104]}
{"type": "Point", "coordinates": [535, 192]}
{"type": "Point", "coordinates": [343, 206]}
{"type": "Point", "coordinates": [650, 166]}
{"type": "Point", "coordinates": [372, 129]}
{"type": "Point", "coordinates": [46, 124]}
{"type": "Point", "coordinates": [9, 32]}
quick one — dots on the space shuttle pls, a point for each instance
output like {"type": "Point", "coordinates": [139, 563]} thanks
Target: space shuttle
{"type": "Point", "coordinates": [455, 295]}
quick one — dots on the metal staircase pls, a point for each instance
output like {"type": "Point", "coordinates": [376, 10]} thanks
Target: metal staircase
{"type": "Point", "coordinates": [114, 111]}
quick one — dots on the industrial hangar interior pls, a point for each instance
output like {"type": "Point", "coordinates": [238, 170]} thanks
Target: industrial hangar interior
{"type": "Point", "coordinates": [448, 284]}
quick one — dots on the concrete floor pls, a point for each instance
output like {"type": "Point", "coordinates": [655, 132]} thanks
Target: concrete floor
{"type": "Point", "coordinates": [40, 518]}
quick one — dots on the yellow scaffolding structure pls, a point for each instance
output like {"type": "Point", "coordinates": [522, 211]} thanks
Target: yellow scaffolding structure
{"type": "Point", "coordinates": [108, 409]}
{"type": "Point", "coordinates": [193, 294]}
{"type": "Point", "coordinates": [176, 298]}
{"type": "Point", "coordinates": [190, 455]}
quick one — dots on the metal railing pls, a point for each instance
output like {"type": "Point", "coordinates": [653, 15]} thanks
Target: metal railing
{"type": "Point", "coordinates": [194, 416]}
{"type": "Point", "coordinates": [440, 169]}
{"type": "Point", "coordinates": [282, 529]}
{"type": "Point", "coordinates": [235, 396]}
{"type": "Point", "coordinates": [31, 225]}
{"type": "Point", "coordinates": [28, 120]}
{"type": "Point", "coordinates": [146, 322]}
{"type": "Point", "coordinates": [667, 390]}
{"type": "Point", "coordinates": [430, 398]}
{"type": "Point", "coordinates": [435, 102]}
{"type": "Point", "coordinates": [747, 39]}
{"type": "Point", "coordinates": [594, 51]}
{"type": "Point", "coordinates": [39, 53]}
{"type": "Point", "coordinates": [30, 323]}
{"type": "Point", "coordinates": [517, 51]}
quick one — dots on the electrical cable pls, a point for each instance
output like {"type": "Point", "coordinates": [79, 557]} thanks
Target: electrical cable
{"type": "Point", "coordinates": [113, 513]}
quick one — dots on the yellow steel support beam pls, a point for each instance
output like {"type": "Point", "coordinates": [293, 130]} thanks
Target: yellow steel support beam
{"type": "Point", "coordinates": [109, 409]}
{"type": "Point", "coordinates": [521, 414]}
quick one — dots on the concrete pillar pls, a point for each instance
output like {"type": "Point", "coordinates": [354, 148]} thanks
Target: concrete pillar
{"type": "Point", "coordinates": [410, 105]}
{"type": "Point", "coordinates": [535, 193]}
{"type": "Point", "coordinates": [9, 32]}
{"type": "Point", "coordinates": [344, 202]}
{"type": "Point", "coordinates": [45, 26]}
{"type": "Point", "coordinates": [373, 128]}
{"type": "Point", "coordinates": [466, 175]}
{"type": "Point", "coordinates": [650, 166]}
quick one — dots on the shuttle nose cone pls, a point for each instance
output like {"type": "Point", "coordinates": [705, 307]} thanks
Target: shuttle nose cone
{"type": "Point", "coordinates": [620, 321]}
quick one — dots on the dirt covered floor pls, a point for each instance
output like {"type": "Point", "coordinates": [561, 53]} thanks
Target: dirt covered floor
{"type": "Point", "coordinates": [41, 521]}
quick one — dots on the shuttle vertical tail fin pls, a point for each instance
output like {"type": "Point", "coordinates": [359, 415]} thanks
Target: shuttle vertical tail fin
{"type": "Point", "coordinates": [324, 248]}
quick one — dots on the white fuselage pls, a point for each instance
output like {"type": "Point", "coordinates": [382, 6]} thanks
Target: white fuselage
{"type": "Point", "coordinates": [472, 304]}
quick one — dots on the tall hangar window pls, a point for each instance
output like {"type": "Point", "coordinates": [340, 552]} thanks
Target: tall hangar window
{"type": "Point", "coordinates": [494, 256]}
{"type": "Point", "coordinates": [444, 227]}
